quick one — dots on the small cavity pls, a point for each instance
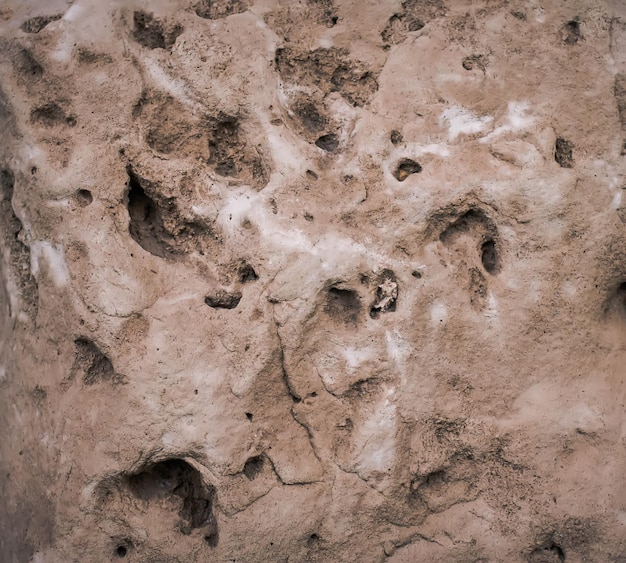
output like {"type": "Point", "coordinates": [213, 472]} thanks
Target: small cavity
{"type": "Point", "coordinates": [36, 24]}
{"type": "Point", "coordinates": [405, 168]}
{"type": "Point", "coordinates": [121, 551]}
{"type": "Point", "coordinates": [149, 32]}
{"type": "Point", "coordinates": [328, 143]}
{"type": "Point", "coordinates": [223, 300]}
{"type": "Point", "coordinates": [84, 197]}
{"type": "Point", "coordinates": [475, 62]}
{"type": "Point", "coordinates": [489, 256]}
{"type": "Point", "coordinates": [211, 539]}
{"type": "Point", "coordinates": [253, 467]}
{"type": "Point", "coordinates": [175, 482]}
{"type": "Point", "coordinates": [247, 274]}
{"type": "Point", "coordinates": [312, 175]}
{"type": "Point", "coordinates": [416, 274]}
{"type": "Point", "coordinates": [563, 153]}
{"type": "Point", "coordinates": [92, 363]}
{"type": "Point", "coordinates": [343, 305]}
{"type": "Point", "coordinates": [396, 137]}
{"type": "Point", "coordinates": [571, 32]}
{"type": "Point", "coordinates": [550, 553]}
{"type": "Point", "coordinates": [249, 416]}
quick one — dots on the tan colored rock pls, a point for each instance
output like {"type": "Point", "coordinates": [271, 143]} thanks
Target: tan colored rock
{"type": "Point", "coordinates": [312, 281]}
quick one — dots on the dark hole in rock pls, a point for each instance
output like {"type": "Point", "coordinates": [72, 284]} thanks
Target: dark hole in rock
{"type": "Point", "coordinates": [396, 137]}
{"type": "Point", "coordinates": [416, 274]}
{"type": "Point", "coordinates": [249, 416]}
{"type": "Point", "coordinates": [415, 25]}
{"type": "Point", "coordinates": [247, 274]}
{"type": "Point", "coordinates": [571, 32]}
{"type": "Point", "coordinates": [549, 553]}
{"type": "Point", "coordinates": [84, 197]}
{"type": "Point", "coordinates": [489, 256]}
{"type": "Point", "coordinates": [253, 467]}
{"type": "Point", "coordinates": [313, 539]}
{"type": "Point", "coordinates": [36, 24]}
{"type": "Point", "coordinates": [94, 365]}
{"type": "Point", "coordinates": [386, 294]}
{"type": "Point", "coordinates": [167, 480]}
{"type": "Point", "coordinates": [51, 114]}
{"type": "Point", "coordinates": [7, 183]}
{"type": "Point", "coordinates": [474, 220]}
{"type": "Point", "coordinates": [121, 551]}
{"type": "Point", "coordinates": [405, 168]}
{"type": "Point", "coordinates": [146, 225]}
{"type": "Point", "coordinates": [211, 539]}
{"type": "Point", "coordinates": [328, 143]}
{"type": "Point", "coordinates": [223, 300]}
{"type": "Point", "coordinates": [343, 305]}
{"type": "Point", "coordinates": [231, 154]}
{"type": "Point", "coordinates": [474, 61]}
{"type": "Point", "coordinates": [563, 153]}
{"type": "Point", "coordinates": [312, 175]}
{"type": "Point", "coordinates": [149, 32]}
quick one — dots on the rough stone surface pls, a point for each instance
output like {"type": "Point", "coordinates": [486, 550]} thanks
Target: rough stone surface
{"type": "Point", "coordinates": [316, 280]}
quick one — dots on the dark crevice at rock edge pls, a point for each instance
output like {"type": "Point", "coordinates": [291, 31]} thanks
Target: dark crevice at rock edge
{"type": "Point", "coordinates": [36, 24]}
{"type": "Point", "coordinates": [564, 153]}
{"type": "Point", "coordinates": [94, 365]}
{"type": "Point", "coordinates": [150, 32]}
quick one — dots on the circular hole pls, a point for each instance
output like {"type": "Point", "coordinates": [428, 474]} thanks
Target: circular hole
{"type": "Point", "coordinates": [416, 274]}
{"type": "Point", "coordinates": [396, 137]}
{"type": "Point", "coordinates": [405, 168]}
{"type": "Point", "coordinates": [121, 551]}
{"type": "Point", "coordinates": [84, 197]}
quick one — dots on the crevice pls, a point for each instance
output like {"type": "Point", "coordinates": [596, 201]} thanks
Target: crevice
{"type": "Point", "coordinates": [563, 153]}
{"type": "Point", "coordinates": [95, 366]}
{"type": "Point", "coordinates": [36, 24]}
{"type": "Point", "coordinates": [150, 33]}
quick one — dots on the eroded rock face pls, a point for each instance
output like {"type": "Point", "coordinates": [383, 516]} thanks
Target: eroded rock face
{"type": "Point", "coordinates": [313, 281]}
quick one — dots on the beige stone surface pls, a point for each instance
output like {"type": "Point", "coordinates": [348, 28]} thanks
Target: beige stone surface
{"type": "Point", "coordinates": [316, 280]}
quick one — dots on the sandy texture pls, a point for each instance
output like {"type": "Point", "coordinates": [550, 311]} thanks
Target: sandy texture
{"type": "Point", "coordinates": [327, 280]}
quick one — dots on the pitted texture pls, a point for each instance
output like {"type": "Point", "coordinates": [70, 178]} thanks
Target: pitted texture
{"type": "Point", "coordinates": [320, 281]}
